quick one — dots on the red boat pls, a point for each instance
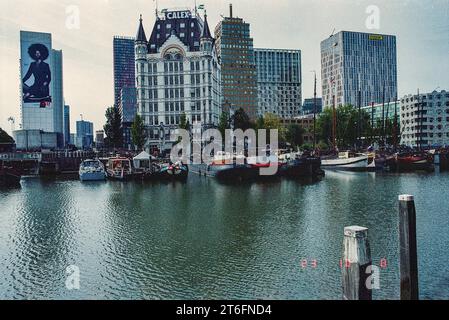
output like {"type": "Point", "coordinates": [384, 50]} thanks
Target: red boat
{"type": "Point", "coordinates": [414, 162]}
{"type": "Point", "coordinates": [8, 176]}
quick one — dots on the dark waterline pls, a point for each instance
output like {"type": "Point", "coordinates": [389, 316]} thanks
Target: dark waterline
{"type": "Point", "coordinates": [206, 240]}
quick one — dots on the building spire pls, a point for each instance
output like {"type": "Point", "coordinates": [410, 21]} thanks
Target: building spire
{"type": "Point", "coordinates": [206, 31]}
{"type": "Point", "coordinates": [141, 37]}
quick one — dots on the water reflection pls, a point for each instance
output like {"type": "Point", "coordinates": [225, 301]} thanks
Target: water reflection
{"type": "Point", "coordinates": [202, 239]}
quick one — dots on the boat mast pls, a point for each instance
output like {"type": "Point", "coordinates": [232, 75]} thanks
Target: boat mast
{"type": "Point", "coordinates": [314, 115]}
{"type": "Point", "coordinates": [383, 117]}
{"type": "Point", "coordinates": [395, 127]}
{"type": "Point", "coordinates": [359, 131]}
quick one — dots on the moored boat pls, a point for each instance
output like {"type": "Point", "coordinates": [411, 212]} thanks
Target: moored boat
{"type": "Point", "coordinates": [92, 170]}
{"type": "Point", "coordinates": [416, 161]}
{"type": "Point", "coordinates": [224, 166]}
{"type": "Point", "coordinates": [8, 176]}
{"type": "Point", "coordinates": [119, 168]}
{"type": "Point", "coordinates": [346, 161]}
{"type": "Point", "coordinates": [174, 171]}
{"type": "Point", "coordinates": [304, 165]}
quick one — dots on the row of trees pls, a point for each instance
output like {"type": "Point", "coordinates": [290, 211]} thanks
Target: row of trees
{"type": "Point", "coordinates": [292, 134]}
{"type": "Point", "coordinates": [353, 128]}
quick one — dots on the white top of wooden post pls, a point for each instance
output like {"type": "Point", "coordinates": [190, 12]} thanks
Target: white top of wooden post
{"type": "Point", "coordinates": [406, 197]}
{"type": "Point", "coordinates": [356, 231]}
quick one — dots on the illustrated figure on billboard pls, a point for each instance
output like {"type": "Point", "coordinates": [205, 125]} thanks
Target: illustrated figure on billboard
{"type": "Point", "coordinates": [39, 91]}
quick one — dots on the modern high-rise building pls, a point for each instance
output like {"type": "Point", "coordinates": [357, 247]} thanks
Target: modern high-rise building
{"type": "Point", "coordinates": [42, 102]}
{"type": "Point", "coordinates": [99, 139]}
{"type": "Point", "coordinates": [355, 61]}
{"type": "Point", "coordinates": [66, 125]}
{"type": "Point", "coordinates": [309, 106]}
{"type": "Point", "coordinates": [239, 75]}
{"type": "Point", "coordinates": [425, 119]}
{"type": "Point", "coordinates": [128, 111]}
{"type": "Point", "coordinates": [124, 66]}
{"type": "Point", "coordinates": [279, 82]}
{"type": "Point", "coordinates": [84, 134]}
{"type": "Point", "coordinates": [177, 73]}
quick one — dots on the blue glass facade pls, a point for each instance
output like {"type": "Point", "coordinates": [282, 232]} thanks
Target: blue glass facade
{"type": "Point", "coordinates": [128, 111]}
{"type": "Point", "coordinates": [124, 66]}
{"type": "Point", "coordinates": [84, 134]}
{"type": "Point", "coordinates": [309, 106]}
{"type": "Point", "coordinates": [353, 60]}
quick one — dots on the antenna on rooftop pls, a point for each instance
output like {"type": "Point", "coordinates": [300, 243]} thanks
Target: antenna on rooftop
{"type": "Point", "coordinates": [333, 32]}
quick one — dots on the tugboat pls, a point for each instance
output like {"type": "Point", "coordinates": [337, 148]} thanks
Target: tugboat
{"type": "Point", "coordinates": [92, 170]}
{"type": "Point", "coordinates": [119, 168]}
{"type": "Point", "coordinates": [8, 176]}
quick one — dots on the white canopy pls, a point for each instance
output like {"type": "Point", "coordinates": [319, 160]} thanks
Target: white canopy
{"type": "Point", "coordinates": [143, 156]}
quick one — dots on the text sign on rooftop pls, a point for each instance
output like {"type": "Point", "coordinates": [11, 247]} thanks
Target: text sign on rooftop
{"type": "Point", "coordinates": [178, 14]}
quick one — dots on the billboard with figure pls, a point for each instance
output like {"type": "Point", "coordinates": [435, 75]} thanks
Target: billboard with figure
{"type": "Point", "coordinates": [36, 72]}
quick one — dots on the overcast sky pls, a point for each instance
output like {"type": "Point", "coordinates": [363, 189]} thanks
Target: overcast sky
{"type": "Point", "coordinates": [421, 27]}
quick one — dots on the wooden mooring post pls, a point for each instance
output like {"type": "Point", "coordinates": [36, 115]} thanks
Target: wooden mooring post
{"type": "Point", "coordinates": [356, 260]}
{"type": "Point", "coordinates": [408, 256]}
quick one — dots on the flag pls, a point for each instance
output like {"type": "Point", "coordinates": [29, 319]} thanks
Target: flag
{"type": "Point", "coordinates": [201, 7]}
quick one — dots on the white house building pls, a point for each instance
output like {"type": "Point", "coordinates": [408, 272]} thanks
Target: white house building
{"type": "Point", "coordinates": [177, 72]}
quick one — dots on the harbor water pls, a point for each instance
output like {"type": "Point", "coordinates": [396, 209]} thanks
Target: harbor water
{"type": "Point", "coordinates": [202, 239]}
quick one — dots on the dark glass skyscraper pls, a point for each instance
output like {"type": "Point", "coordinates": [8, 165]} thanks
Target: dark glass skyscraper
{"type": "Point", "coordinates": [239, 75]}
{"type": "Point", "coordinates": [66, 125]}
{"type": "Point", "coordinates": [124, 67]}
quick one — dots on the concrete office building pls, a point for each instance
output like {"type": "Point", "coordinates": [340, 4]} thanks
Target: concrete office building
{"type": "Point", "coordinates": [42, 102]}
{"type": "Point", "coordinates": [279, 82]}
{"type": "Point", "coordinates": [425, 119]}
{"type": "Point", "coordinates": [239, 75]}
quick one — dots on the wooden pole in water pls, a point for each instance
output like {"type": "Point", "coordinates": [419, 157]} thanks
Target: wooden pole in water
{"type": "Point", "coordinates": [408, 257]}
{"type": "Point", "coordinates": [356, 260]}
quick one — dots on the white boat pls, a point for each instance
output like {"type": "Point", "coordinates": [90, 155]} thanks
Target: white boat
{"type": "Point", "coordinates": [92, 170]}
{"type": "Point", "coordinates": [346, 161]}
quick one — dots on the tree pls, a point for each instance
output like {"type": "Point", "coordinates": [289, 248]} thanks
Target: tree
{"type": "Point", "coordinates": [348, 123]}
{"type": "Point", "coordinates": [295, 135]}
{"type": "Point", "coordinates": [113, 128]}
{"type": "Point", "coordinates": [240, 120]}
{"type": "Point", "coordinates": [224, 123]}
{"type": "Point", "coordinates": [138, 133]}
{"type": "Point", "coordinates": [4, 137]}
{"type": "Point", "coordinates": [183, 122]}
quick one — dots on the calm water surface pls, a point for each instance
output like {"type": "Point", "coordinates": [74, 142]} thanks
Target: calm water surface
{"type": "Point", "coordinates": [206, 240]}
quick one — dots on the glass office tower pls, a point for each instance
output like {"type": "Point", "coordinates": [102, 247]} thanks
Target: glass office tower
{"type": "Point", "coordinates": [353, 61]}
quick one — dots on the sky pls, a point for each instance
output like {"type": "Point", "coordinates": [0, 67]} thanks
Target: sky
{"type": "Point", "coordinates": [421, 27]}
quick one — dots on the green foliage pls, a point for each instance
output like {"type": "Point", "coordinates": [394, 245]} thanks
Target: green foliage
{"type": "Point", "coordinates": [240, 120]}
{"type": "Point", "coordinates": [113, 128]}
{"type": "Point", "coordinates": [349, 122]}
{"type": "Point", "coordinates": [224, 123]}
{"type": "Point", "coordinates": [295, 135]}
{"type": "Point", "coordinates": [138, 133]}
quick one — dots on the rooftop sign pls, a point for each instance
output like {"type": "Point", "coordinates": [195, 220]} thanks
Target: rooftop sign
{"type": "Point", "coordinates": [177, 14]}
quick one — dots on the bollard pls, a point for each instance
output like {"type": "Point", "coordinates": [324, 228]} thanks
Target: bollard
{"type": "Point", "coordinates": [356, 260]}
{"type": "Point", "coordinates": [408, 256]}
